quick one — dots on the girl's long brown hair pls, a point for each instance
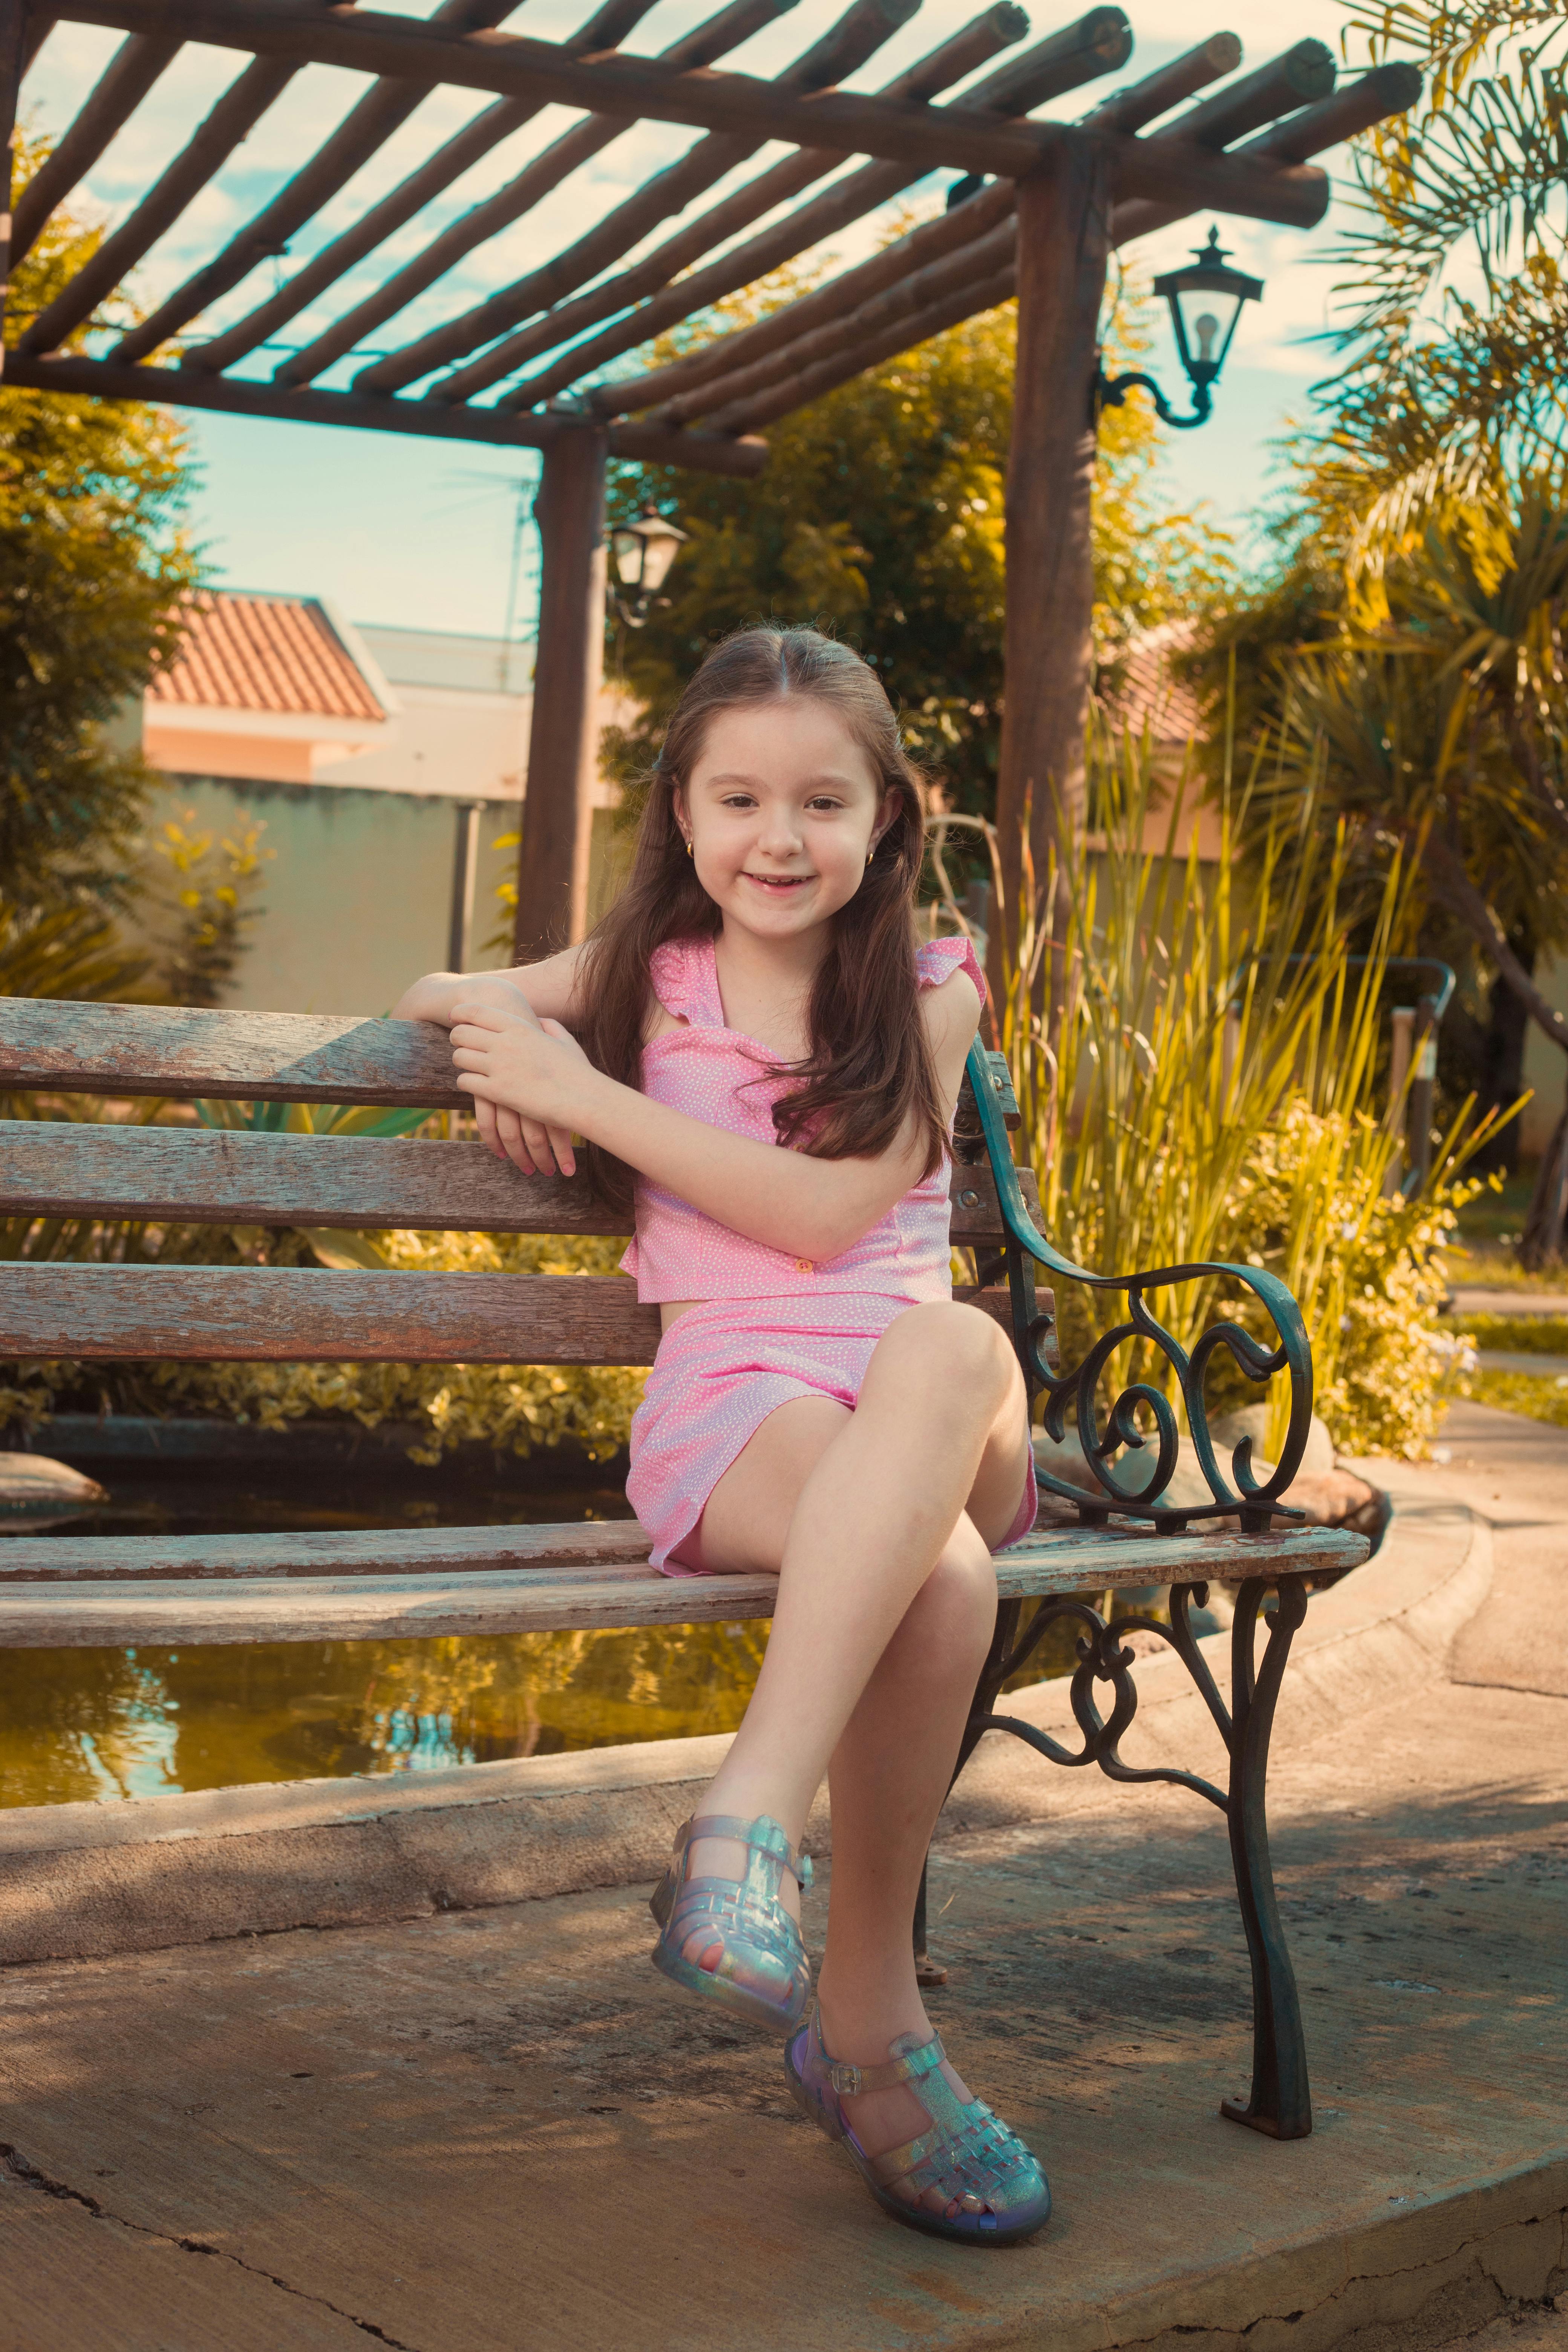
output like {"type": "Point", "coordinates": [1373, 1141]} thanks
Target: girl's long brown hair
{"type": "Point", "coordinates": [869, 1070]}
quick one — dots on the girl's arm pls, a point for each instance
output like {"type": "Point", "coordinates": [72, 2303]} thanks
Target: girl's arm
{"type": "Point", "coordinates": [785, 1200]}
{"type": "Point", "coordinates": [547, 990]}
{"type": "Point", "coordinates": [527, 994]}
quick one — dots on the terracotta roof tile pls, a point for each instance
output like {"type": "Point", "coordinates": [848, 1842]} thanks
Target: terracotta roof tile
{"type": "Point", "coordinates": [1148, 695]}
{"type": "Point", "coordinates": [266, 653]}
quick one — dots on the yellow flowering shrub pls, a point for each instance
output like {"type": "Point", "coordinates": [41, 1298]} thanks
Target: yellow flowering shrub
{"type": "Point", "coordinates": [1367, 1270]}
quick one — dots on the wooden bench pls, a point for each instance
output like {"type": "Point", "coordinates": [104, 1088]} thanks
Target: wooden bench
{"type": "Point", "coordinates": [182, 1591]}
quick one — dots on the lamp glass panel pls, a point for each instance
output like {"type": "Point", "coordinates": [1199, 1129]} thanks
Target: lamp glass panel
{"type": "Point", "coordinates": [1209, 318]}
{"type": "Point", "coordinates": [659, 546]}
{"type": "Point", "coordinates": [627, 546]}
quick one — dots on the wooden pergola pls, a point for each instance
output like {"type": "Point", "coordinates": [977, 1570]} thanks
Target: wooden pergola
{"type": "Point", "coordinates": [534, 365]}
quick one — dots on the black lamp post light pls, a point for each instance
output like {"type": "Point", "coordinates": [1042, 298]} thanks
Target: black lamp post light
{"type": "Point", "coordinates": [1205, 301]}
{"type": "Point", "coordinates": [642, 553]}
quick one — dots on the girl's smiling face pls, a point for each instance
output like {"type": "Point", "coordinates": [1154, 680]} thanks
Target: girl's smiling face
{"type": "Point", "coordinates": [781, 810]}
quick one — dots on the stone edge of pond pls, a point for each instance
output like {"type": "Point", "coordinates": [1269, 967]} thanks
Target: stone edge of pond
{"type": "Point", "coordinates": [85, 1881]}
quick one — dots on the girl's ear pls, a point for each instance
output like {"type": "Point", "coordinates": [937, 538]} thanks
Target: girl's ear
{"type": "Point", "coordinates": [886, 814]}
{"type": "Point", "coordinates": [682, 814]}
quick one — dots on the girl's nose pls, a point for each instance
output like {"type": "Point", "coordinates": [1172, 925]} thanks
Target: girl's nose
{"type": "Point", "coordinates": [780, 836]}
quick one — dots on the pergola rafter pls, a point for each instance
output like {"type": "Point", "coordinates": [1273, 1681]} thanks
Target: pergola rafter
{"type": "Point", "coordinates": [550, 360]}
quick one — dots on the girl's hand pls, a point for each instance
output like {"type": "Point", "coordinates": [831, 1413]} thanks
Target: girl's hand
{"type": "Point", "coordinates": [437, 995]}
{"type": "Point", "coordinates": [526, 1079]}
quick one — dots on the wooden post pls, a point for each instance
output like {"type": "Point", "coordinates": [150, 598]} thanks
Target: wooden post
{"type": "Point", "coordinates": [569, 663]}
{"type": "Point", "coordinates": [465, 871]}
{"type": "Point", "coordinates": [1063, 221]}
{"type": "Point", "coordinates": [12, 29]}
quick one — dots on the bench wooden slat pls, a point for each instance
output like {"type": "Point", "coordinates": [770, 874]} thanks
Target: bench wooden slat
{"type": "Point", "coordinates": [219, 1176]}
{"type": "Point", "coordinates": [303, 1315]}
{"type": "Point", "coordinates": [159, 1049]}
{"type": "Point", "coordinates": [378, 1606]}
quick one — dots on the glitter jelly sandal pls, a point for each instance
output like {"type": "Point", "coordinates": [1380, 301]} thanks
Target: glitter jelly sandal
{"type": "Point", "coordinates": [762, 1969]}
{"type": "Point", "coordinates": [967, 2155]}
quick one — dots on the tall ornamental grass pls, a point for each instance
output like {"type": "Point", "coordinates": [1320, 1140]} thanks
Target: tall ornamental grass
{"type": "Point", "coordinates": [1211, 1090]}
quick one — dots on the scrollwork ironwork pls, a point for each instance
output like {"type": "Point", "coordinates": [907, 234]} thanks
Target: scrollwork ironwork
{"type": "Point", "coordinates": [1256, 1504]}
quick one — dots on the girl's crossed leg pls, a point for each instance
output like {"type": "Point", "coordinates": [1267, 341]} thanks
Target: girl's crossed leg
{"type": "Point", "coordinates": [878, 1523]}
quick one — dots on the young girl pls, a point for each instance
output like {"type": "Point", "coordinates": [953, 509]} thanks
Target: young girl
{"type": "Point", "coordinates": [753, 1031]}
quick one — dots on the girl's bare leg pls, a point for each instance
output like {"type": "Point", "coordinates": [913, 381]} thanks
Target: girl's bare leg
{"type": "Point", "coordinates": [894, 1611]}
{"type": "Point", "coordinates": [939, 1423]}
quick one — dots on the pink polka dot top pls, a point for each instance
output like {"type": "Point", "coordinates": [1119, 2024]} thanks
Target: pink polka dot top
{"type": "Point", "coordinates": [710, 1072]}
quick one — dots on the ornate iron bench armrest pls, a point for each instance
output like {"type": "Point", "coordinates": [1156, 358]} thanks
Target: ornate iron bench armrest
{"type": "Point", "coordinates": [1257, 1506]}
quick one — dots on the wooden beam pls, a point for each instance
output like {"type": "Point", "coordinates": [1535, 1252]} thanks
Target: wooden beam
{"type": "Point", "coordinates": [368, 124]}
{"type": "Point", "coordinates": [37, 25]}
{"type": "Point", "coordinates": [1373, 97]}
{"type": "Point", "coordinates": [996, 28]}
{"type": "Point", "coordinates": [13, 36]}
{"type": "Point", "coordinates": [651, 445]}
{"type": "Point", "coordinates": [1066, 55]}
{"type": "Point", "coordinates": [224, 1176]}
{"type": "Point", "coordinates": [767, 346]}
{"type": "Point", "coordinates": [665, 388]}
{"type": "Point", "coordinates": [424, 52]}
{"type": "Point", "coordinates": [231, 120]}
{"type": "Point", "coordinates": [967, 295]}
{"type": "Point", "coordinates": [1063, 225]}
{"type": "Point", "coordinates": [862, 29]}
{"type": "Point", "coordinates": [51, 1045]}
{"type": "Point", "coordinates": [956, 286]}
{"type": "Point", "coordinates": [467, 147]}
{"type": "Point", "coordinates": [418, 1584]}
{"type": "Point", "coordinates": [809, 349]}
{"type": "Point", "coordinates": [118, 91]}
{"type": "Point", "coordinates": [564, 732]}
{"type": "Point", "coordinates": [1143, 102]}
{"type": "Point", "coordinates": [303, 1314]}
{"type": "Point", "coordinates": [1307, 201]}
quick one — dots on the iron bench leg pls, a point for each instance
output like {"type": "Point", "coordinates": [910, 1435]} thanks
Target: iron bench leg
{"type": "Point", "coordinates": [1280, 2103]}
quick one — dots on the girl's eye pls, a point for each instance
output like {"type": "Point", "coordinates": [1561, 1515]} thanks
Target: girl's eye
{"type": "Point", "coordinates": [825, 804]}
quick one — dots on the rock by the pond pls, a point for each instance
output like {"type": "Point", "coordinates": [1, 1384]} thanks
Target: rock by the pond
{"type": "Point", "coordinates": [1252, 1422]}
{"type": "Point", "coordinates": [1327, 1496]}
{"type": "Point", "coordinates": [34, 1482]}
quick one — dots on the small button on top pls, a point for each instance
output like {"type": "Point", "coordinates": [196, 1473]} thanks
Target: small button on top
{"type": "Point", "coordinates": [803, 1266]}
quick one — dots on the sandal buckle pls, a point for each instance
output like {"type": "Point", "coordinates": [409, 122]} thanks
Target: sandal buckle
{"type": "Point", "coordinates": [845, 2080]}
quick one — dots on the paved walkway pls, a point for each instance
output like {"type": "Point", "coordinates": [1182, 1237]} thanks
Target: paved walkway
{"type": "Point", "coordinates": [1514, 1472]}
{"type": "Point", "coordinates": [495, 2131]}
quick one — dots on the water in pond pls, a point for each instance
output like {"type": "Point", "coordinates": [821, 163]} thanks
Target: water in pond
{"type": "Point", "coordinates": [138, 1723]}
{"type": "Point", "coordinates": [106, 1724]}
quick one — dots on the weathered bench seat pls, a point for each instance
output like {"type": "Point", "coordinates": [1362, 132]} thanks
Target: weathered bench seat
{"type": "Point", "coordinates": [183, 1591]}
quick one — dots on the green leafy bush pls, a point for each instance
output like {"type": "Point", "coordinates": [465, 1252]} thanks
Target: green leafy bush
{"type": "Point", "coordinates": [1210, 1089]}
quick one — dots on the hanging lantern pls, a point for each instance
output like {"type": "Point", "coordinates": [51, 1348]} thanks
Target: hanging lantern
{"type": "Point", "coordinates": [642, 553]}
{"type": "Point", "coordinates": [1204, 301]}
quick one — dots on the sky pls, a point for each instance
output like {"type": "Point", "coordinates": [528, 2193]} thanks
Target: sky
{"type": "Point", "coordinates": [423, 533]}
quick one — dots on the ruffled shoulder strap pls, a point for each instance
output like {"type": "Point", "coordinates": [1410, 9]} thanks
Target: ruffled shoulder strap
{"type": "Point", "coordinates": [686, 981]}
{"type": "Point", "coordinates": [938, 959]}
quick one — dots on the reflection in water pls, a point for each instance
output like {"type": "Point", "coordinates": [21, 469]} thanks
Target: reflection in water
{"type": "Point", "coordinates": [117, 1722]}
{"type": "Point", "coordinates": [108, 1724]}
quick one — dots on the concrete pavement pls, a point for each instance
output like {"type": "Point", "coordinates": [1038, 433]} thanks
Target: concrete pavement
{"type": "Point", "coordinates": [486, 2128]}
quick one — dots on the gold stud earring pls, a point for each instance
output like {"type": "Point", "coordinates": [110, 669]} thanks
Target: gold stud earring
{"type": "Point", "coordinates": [870, 853]}
{"type": "Point", "coordinates": [689, 851]}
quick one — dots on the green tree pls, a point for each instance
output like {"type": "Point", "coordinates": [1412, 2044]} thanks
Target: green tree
{"type": "Point", "coordinates": [1452, 296]}
{"type": "Point", "coordinates": [880, 515]}
{"type": "Point", "coordinates": [95, 563]}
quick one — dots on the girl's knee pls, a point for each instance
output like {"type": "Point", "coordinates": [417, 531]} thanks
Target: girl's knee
{"type": "Point", "coordinates": [961, 1590]}
{"type": "Point", "coordinates": [958, 1347]}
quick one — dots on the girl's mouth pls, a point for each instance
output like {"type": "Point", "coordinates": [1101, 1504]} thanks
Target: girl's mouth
{"type": "Point", "coordinates": [777, 882]}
